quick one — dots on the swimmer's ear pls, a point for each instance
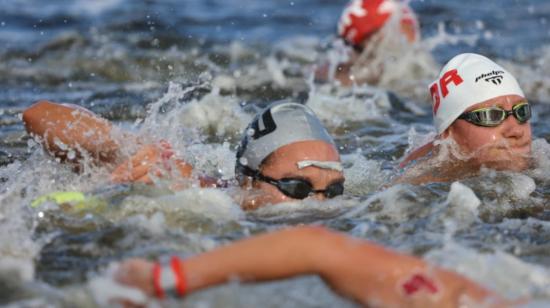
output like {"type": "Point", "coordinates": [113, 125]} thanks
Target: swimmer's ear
{"type": "Point", "coordinates": [446, 133]}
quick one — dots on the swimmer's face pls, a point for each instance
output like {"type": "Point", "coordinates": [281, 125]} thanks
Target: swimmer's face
{"type": "Point", "coordinates": [283, 164]}
{"type": "Point", "coordinates": [503, 147]}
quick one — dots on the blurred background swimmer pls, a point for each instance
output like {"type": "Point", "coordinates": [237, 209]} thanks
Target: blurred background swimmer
{"type": "Point", "coordinates": [377, 34]}
{"type": "Point", "coordinates": [481, 117]}
{"type": "Point", "coordinates": [285, 153]}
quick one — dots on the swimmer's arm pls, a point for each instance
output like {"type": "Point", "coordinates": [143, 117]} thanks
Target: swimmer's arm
{"type": "Point", "coordinates": [417, 153]}
{"type": "Point", "coordinates": [158, 159]}
{"type": "Point", "coordinates": [270, 256]}
{"type": "Point", "coordinates": [372, 274]}
{"type": "Point", "coordinates": [356, 269]}
{"type": "Point", "coordinates": [150, 159]}
{"type": "Point", "coordinates": [63, 127]}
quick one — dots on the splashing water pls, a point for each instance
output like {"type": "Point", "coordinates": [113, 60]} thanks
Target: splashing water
{"type": "Point", "coordinates": [194, 76]}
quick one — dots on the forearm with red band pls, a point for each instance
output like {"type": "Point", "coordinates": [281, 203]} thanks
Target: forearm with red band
{"type": "Point", "coordinates": [169, 279]}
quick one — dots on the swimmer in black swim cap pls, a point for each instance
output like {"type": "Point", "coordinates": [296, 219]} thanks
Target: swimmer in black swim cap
{"type": "Point", "coordinates": [285, 153]}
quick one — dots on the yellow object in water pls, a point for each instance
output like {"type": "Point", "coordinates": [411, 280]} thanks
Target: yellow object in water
{"type": "Point", "coordinates": [77, 200]}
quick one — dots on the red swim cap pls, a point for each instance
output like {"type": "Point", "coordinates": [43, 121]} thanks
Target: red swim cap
{"type": "Point", "coordinates": [362, 18]}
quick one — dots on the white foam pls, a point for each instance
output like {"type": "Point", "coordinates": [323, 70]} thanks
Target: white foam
{"type": "Point", "coordinates": [212, 159]}
{"type": "Point", "coordinates": [208, 202]}
{"type": "Point", "coordinates": [304, 210]}
{"type": "Point", "coordinates": [462, 209]}
{"type": "Point", "coordinates": [363, 176]}
{"type": "Point", "coordinates": [541, 157]}
{"type": "Point", "coordinates": [499, 271]}
{"type": "Point", "coordinates": [462, 196]}
{"type": "Point", "coordinates": [299, 48]}
{"type": "Point", "coordinates": [106, 291]}
{"type": "Point", "coordinates": [348, 105]}
{"type": "Point", "coordinates": [393, 203]}
{"type": "Point", "coordinates": [193, 203]}
{"type": "Point", "coordinates": [18, 269]}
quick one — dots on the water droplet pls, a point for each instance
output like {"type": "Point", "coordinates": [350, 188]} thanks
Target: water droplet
{"type": "Point", "coordinates": [480, 25]}
{"type": "Point", "coordinates": [250, 132]}
{"type": "Point", "coordinates": [2, 24]}
{"type": "Point", "coordinates": [40, 214]}
{"type": "Point", "coordinates": [71, 155]}
{"type": "Point", "coordinates": [243, 161]}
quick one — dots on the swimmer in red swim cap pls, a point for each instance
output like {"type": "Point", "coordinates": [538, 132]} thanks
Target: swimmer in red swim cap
{"type": "Point", "coordinates": [361, 27]}
{"type": "Point", "coordinates": [363, 18]}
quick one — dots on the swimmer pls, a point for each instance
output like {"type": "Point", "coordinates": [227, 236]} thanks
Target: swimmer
{"type": "Point", "coordinates": [361, 27]}
{"type": "Point", "coordinates": [481, 118]}
{"type": "Point", "coordinates": [359, 270]}
{"type": "Point", "coordinates": [285, 153]}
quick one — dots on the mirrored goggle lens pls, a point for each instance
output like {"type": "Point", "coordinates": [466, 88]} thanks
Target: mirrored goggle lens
{"type": "Point", "coordinates": [522, 112]}
{"type": "Point", "coordinates": [489, 116]}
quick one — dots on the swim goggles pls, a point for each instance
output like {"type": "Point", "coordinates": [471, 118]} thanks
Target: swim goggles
{"type": "Point", "coordinates": [494, 116]}
{"type": "Point", "coordinates": [297, 188]}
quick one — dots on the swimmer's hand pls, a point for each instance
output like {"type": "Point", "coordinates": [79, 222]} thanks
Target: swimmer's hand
{"type": "Point", "coordinates": [157, 159]}
{"type": "Point", "coordinates": [137, 273]}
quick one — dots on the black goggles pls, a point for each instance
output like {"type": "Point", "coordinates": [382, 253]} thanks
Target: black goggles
{"type": "Point", "coordinates": [299, 188]}
{"type": "Point", "coordinates": [494, 116]}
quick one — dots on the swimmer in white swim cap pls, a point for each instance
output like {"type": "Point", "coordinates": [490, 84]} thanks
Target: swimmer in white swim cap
{"type": "Point", "coordinates": [480, 107]}
{"type": "Point", "coordinates": [285, 153]}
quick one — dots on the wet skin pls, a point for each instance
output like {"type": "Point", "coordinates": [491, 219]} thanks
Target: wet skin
{"type": "Point", "coordinates": [282, 163]}
{"type": "Point", "coordinates": [69, 124]}
{"type": "Point", "coordinates": [503, 147]}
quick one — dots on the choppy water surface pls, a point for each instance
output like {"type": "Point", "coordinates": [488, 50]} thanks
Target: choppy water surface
{"type": "Point", "coordinates": [193, 72]}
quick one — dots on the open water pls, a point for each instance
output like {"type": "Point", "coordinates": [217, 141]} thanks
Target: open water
{"type": "Point", "coordinates": [193, 72]}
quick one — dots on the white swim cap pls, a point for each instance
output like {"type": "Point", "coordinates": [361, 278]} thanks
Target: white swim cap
{"type": "Point", "coordinates": [279, 124]}
{"type": "Point", "coordinates": [466, 80]}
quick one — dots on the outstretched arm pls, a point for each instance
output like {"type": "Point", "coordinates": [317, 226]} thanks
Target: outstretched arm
{"type": "Point", "coordinates": [66, 128]}
{"type": "Point", "coordinates": [362, 271]}
{"type": "Point", "coordinates": [63, 128]}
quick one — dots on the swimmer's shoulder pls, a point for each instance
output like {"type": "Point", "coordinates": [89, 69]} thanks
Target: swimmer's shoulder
{"type": "Point", "coordinates": [417, 153]}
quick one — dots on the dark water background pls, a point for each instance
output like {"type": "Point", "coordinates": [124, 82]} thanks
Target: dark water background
{"type": "Point", "coordinates": [117, 57]}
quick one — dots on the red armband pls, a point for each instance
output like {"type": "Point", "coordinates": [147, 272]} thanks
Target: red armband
{"type": "Point", "coordinates": [169, 279]}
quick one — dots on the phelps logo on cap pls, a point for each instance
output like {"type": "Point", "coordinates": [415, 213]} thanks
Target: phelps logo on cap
{"type": "Point", "coordinates": [279, 124]}
{"type": "Point", "coordinates": [362, 18]}
{"type": "Point", "coordinates": [466, 80]}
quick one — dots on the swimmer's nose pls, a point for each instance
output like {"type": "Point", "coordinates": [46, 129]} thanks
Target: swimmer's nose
{"type": "Point", "coordinates": [318, 196]}
{"type": "Point", "coordinates": [513, 129]}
